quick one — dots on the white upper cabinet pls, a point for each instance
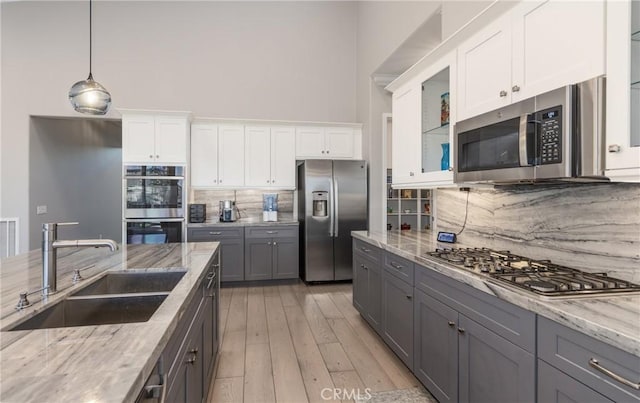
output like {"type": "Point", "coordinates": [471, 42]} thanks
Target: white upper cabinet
{"type": "Point", "coordinates": [257, 155]}
{"type": "Point", "coordinates": [339, 142]}
{"type": "Point", "coordinates": [204, 155]}
{"type": "Point", "coordinates": [405, 151]}
{"type": "Point", "coordinates": [149, 138]}
{"type": "Point", "coordinates": [270, 154]}
{"type": "Point", "coordinates": [555, 43]}
{"type": "Point", "coordinates": [231, 155]}
{"type": "Point", "coordinates": [423, 118]}
{"type": "Point", "coordinates": [310, 142]}
{"type": "Point", "coordinates": [536, 47]}
{"type": "Point", "coordinates": [484, 70]}
{"type": "Point", "coordinates": [328, 142]}
{"type": "Point", "coordinates": [283, 157]}
{"type": "Point", "coordinates": [622, 146]}
{"type": "Point", "coordinates": [217, 155]}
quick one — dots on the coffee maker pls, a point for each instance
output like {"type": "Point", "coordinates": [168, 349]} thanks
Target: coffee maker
{"type": "Point", "coordinates": [227, 210]}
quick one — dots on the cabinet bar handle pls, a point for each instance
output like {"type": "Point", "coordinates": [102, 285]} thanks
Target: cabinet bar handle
{"type": "Point", "coordinates": [595, 364]}
{"type": "Point", "coordinates": [396, 266]}
{"type": "Point", "coordinates": [452, 324]}
{"type": "Point", "coordinates": [272, 232]}
{"type": "Point", "coordinates": [365, 249]}
{"type": "Point", "coordinates": [460, 330]}
{"type": "Point", "coordinates": [215, 233]}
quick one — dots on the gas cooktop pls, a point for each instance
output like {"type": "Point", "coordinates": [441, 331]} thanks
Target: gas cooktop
{"type": "Point", "coordinates": [538, 276]}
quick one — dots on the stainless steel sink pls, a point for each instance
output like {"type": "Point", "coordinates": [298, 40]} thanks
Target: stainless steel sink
{"type": "Point", "coordinates": [86, 311]}
{"type": "Point", "coordinates": [132, 282]}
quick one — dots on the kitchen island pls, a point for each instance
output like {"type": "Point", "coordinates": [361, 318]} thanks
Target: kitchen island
{"type": "Point", "coordinates": [106, 363]}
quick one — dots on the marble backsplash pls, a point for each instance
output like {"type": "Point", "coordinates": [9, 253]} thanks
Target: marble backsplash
{"type": "Point", "coordinates": [593, 227]}
{"type": "Point", "coordinates": [249, 202]}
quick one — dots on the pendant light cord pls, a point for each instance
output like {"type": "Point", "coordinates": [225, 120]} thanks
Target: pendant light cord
{"type": "Point", "coordinates": [90, 40]}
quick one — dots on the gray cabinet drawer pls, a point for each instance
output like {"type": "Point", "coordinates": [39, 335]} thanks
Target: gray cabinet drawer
{"type": "Point", "coordinates": [399, 267]}
{"type": "Point", "coordinates": [557, 387]}
{"type": "Point", "coordinates": [507, 320]}
{"type": "Point", "coordinates": [571, 352]}
{"type": "Point", "coordinates": [367, 249]}
{"type": "Point", "coordinates": [209, 234]}
{"type": "Point", "coordinates": [281, 231]}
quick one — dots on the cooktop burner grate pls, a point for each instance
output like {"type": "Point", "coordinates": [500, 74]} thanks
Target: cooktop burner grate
{"type": "Point", "coordinates": [538, 276]}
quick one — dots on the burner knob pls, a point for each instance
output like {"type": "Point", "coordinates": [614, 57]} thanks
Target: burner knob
{"type": "Point", "coordinates": [468, 262]}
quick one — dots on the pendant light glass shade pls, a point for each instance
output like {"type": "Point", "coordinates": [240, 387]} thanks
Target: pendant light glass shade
{"type": "Point", "coordinates": [89, 96]}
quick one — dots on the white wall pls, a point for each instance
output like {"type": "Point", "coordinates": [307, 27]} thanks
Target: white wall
{"type": "Point", "coordinates": [265, 60]}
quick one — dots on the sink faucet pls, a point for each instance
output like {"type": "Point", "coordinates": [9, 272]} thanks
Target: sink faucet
{"type": "Point", "coordinates": [50, 245]}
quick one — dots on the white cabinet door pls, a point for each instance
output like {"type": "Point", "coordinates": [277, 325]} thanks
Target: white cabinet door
{"type": "Point", "coordinates": [283, 157]}
{"type": "Point", "coordinates": [338, 142]}
{"type": "Point", "coordinates": [310, 142]}
{"type": "Point", "coordinates": [231, 155]}
{"type": "Point", "coordinates": [556, 43]}
{"type": "Point", "coordinates": [204, 155]}
{"type": "Point", "coordinates": [484, 70]}
{"type": "Point", "coordinates": [171, 140]}
{"type": "Point", "coordinates": [257, 156]}
{"type": "Point", "coordinates": [622, 159]}
{"type": "Point", "coordinates": [405, 148]}
{"type": "Point", "coordinates": [138, 139]}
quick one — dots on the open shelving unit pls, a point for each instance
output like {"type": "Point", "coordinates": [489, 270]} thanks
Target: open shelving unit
{"type": "Point", "coordinates": [408, 206]}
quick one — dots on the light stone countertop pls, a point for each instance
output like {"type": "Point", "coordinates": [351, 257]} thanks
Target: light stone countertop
{"type": "Point", "coordinates": [106, 363]}
{"type": "Point", "coordinates": [613, 319]}
{"type": "Point", "coordinates": [283, 219]}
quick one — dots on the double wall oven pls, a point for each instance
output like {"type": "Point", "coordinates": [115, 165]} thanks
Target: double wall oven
{"type": "Point", "coordinates": [154, 204]}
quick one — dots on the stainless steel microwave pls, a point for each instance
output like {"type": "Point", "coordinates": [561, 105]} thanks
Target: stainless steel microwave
{"type": "Point", "coordinates": [557, 135]}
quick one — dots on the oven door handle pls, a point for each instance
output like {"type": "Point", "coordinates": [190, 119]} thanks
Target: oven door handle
{"type": "Point", "coordinates": [154, 177]}
{"type": "Point", "coordinates": [522, 137]}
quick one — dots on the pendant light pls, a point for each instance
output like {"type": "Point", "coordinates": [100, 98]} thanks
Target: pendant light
{"type": "Point", "coordinates": [89, 96]}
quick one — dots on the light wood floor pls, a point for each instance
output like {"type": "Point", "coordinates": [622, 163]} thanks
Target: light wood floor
{"type": "Point", "coordinates": [287, 343]}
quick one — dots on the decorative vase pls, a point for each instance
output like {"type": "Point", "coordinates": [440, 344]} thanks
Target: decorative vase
{"type": "Point", "coordinates": [444, 162]}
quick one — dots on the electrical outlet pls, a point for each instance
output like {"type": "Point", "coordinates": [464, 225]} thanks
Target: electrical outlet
{"type": "Point", "coordinates": [41, 210]}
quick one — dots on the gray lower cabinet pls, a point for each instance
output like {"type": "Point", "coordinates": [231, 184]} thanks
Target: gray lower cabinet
{"type": "Point", "coordinates": [367, 289]}
{"type": "Point", "coordinates": [231, 248]}
{"type": "Point", "coordinates": [435, 361]}
{"type": "Point", "coordinates": [491, 368]}
{"type": "Point", "coordinates": [605, 369]}
{"type": "Point", "coordinates": [397, 316]}
{"type": "Point", "coordinates": [461, 358]}
{"type": "Point", "coordinates": [189, 357]}
{"type": "Point", "coordinates": [271, 253]}
{"type": "Point", "coordinates": [557, 387]}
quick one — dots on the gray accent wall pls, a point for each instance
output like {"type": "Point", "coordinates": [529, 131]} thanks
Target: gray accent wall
{"type": "Point", "coordinates": [75, 169]}
{"type": "Point", "coordinates": [594, 227]}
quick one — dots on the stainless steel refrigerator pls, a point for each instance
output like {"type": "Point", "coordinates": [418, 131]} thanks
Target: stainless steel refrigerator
{"type": "Point", "coordinates": [332, 202]}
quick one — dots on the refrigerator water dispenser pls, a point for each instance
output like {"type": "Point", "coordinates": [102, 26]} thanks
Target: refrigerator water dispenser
{"type": "Point", "coordinates": [320, 203]}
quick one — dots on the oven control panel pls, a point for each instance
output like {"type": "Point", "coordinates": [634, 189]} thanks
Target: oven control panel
{"type": "Point", "coordinates": [550, 135]}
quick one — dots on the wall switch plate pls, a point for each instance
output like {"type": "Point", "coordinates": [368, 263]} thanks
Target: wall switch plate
{"type": "Point", "coordinates": [41, 210]}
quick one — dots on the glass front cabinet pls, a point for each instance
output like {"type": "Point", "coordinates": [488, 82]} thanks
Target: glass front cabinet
{"type": "Point", "coordinates": [423, 119]}
{"type": "Point", "coordinates": [622, 147]}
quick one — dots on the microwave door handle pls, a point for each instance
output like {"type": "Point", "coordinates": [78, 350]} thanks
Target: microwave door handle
{"type": "Point", "coordinates": [522, 137]}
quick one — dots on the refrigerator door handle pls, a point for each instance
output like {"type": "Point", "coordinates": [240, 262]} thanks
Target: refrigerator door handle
{"type": "Point", "coordinates": [335, 207]}
{"type": "Point", "coordinates": [331, 209]}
